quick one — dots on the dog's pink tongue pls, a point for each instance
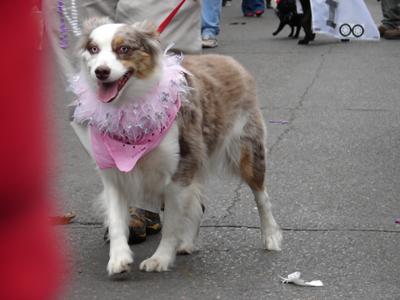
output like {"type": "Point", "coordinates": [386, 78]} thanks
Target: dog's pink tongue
{"type": "Point", "coordinates": [107, 91]}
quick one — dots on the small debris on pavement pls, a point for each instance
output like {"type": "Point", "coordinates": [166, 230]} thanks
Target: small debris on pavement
{"type": "Point", "coordinates": [282, 122]}
{"type": "Point", "coordinates": [62, 220]}
{"type": "Point", "coordinates": [295, 278]}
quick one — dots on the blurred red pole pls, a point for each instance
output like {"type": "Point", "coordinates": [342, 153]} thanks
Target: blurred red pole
{"type": "Point", "coordinates": [30, 264]}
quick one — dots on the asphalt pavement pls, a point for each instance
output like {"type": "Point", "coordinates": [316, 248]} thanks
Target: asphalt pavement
{"type": "Point", "coordinates": [333, 178]}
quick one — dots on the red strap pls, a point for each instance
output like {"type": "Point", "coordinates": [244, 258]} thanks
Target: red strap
{"type": "Point", "coordinates": [169, 18]}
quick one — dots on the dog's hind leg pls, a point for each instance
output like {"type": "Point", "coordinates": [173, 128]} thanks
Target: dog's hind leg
{"type": "Point", "coordinates": [252, 170]}
{"type": "Point", "coordinates": [291, 31]}
{"type": "Point", "coordinates": [118, 229]}
{"type": "Point", "coordinates": [298, 28]}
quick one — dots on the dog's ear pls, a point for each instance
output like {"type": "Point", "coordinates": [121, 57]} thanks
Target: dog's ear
{"type": "Point", "coordinates": [149, 37]}
{"type": "Point", "coordinates": [147, 28]}
{"type": "Point", "coordinates": [88, 26]}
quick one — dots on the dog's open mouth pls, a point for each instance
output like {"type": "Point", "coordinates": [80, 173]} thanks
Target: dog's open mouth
{"type": "Point", "coordinates": [108, 91]}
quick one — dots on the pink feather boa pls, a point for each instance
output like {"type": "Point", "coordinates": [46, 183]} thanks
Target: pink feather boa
{"type": "Point", "coordinates": [129, 123]}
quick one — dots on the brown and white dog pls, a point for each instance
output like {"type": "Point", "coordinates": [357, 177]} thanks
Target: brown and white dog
{"type": "Point", "coordinates": [220, 126]}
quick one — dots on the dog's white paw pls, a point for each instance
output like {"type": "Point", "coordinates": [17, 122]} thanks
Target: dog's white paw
{"type": "Point", "coordinates": [185, 249]}
{"type": "Point", "coordinates": [119, 262]}
{"type": "Point", "coordinates": [156, 264]}
{"type": "Point", "coordinates": [272, 238]}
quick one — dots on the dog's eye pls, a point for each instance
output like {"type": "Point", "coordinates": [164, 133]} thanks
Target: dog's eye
{"type": "Point", "coordinates": [123, 49]}
{"type": "Point", "coordinates": [94, 49]}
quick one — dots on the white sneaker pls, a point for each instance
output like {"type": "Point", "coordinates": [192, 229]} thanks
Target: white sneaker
{"type": "Point", "coordinates": [209, 41]}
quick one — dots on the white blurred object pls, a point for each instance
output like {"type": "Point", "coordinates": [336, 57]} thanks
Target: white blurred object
{"type": "Point", "coordinates": [343, 19]}
{"type": "Point", "coordinates": [295, 278]}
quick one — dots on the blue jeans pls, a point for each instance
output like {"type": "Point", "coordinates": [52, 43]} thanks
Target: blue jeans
{"type": "Point", "coordinates": [251, 6]}
{"type": "Point", "coordinates": [210, 17]}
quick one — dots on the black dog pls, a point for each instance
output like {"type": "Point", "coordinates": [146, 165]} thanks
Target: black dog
{"type": "Point", "coordinates": [287, 13]}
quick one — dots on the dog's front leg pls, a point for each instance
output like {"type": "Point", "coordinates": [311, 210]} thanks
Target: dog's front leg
{"type": "Point", "coordinates": [165, 254]}
{"type": "Point", "coordinates": [118, 229]}
{"type": "Point", "coordinates": [280, 27]}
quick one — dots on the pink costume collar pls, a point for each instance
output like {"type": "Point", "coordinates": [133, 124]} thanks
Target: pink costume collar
{"type": "Point", "coordinates": [121, 134]}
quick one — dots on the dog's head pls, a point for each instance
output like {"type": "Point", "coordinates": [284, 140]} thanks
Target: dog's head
{"type": "Point", "coordinates": [120, 60]}
{"type": "Point", "coordinates": [287, 6]}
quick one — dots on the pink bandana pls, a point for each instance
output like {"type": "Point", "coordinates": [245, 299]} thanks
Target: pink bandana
{"type": "Point", "coordinates": [110, 152]}
{"type": "Point", "coordinates": [121, 134]}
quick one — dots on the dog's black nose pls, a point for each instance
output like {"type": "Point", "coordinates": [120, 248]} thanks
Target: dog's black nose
{"type": "Point", "coordinates": [102, 72]}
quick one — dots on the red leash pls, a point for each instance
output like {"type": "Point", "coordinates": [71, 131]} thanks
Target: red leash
{"type": "Point", "coordinates": [169, 18]}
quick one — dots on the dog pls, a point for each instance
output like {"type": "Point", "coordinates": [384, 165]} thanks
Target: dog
{"type": "Point", "coordinates": [220, 125]}
{"type": "Point", "coordinates": [286, 11]}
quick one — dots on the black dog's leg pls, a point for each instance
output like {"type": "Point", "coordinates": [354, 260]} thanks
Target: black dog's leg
{"type": "Point", "coordinates": [280, 27]}
{"type": "Point", "coordinates": [306, 22]}
{"type": "Point", "coordinates": [291, 32]}
{"type": "Point", "coordinates": [297, 32]}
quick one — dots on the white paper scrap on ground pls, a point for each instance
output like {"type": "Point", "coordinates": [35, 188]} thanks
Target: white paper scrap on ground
{"type": "Point", "coordinates": [295, 278]}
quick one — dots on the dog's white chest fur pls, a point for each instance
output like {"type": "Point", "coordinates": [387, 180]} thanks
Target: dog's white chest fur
{"type": "Point", "coordinates": [144, 185]}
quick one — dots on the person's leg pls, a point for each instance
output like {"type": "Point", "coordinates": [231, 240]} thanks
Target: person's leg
{"type": "Point", "coordinates": [247, 8]}
{"type": "Point", "coordinates": [391, 20]}
{"type": "Point", "coordinates": [391, 14]}
{"type": "Point", "coordinates": [210, 17]}
{"type": "Point", "coordinates": [259, 5]}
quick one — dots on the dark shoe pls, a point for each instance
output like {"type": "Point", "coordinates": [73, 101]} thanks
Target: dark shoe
{"type": "Point", "coordinates": [137, 226]}
{"type": "Point", "coordinates": [392, 34]}
{"type": "Point", "coordinates": [153, 225]}
{"type": "Point", "coordinates": [141, 223]}
{"type": "Point", "coordinates": [382, 30]}
{"type": "Point", "coordinates": [259, 13]}
{"type": "Point", "coordinates": [269, 6]}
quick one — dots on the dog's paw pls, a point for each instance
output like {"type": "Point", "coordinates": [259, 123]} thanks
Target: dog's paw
{"type": "Point", "coordinates": [303, 42]}
{"type": "Point", "coordinates": [185, 249]}
{"type": "Point", "coordinates": [156, 264]}
{"type": "Point", "coordinates": [119, 263]}
{"type": "Point", "coordinates": [275, 33]}
{"type": "Point", "coordinates": [272, 239]}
